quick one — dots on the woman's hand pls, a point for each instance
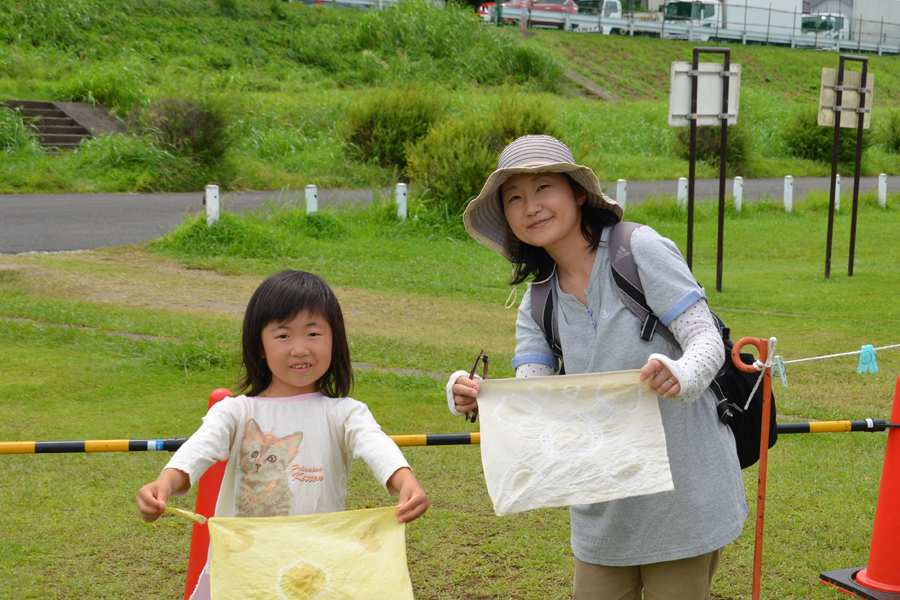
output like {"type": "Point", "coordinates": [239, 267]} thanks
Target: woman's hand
{"type": "Point", "coordinates": [661, 379]}
{"type": "Point", "coordinates": [413, 501]}
{"type": "Point", "coordinates": [465, 395]}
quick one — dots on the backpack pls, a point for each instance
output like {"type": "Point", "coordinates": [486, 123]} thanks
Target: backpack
{"type": "Point", "coordinates": [731, 386]}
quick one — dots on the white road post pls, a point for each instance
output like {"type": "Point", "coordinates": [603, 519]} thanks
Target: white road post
{"type": "Point", "coordinates": [837, 192]}
{"type": "Point", "coordinates": [882, 190]}
{"type": "Point", "coordinates": [312, 199]}
{"type": "Point", "coordinates": [738, 193]}
{"type": "Point", "coordinates": [788, 193]}
{"type": "Point", "coordinates": [400, 198]}
{"type": "Point", "coordinates": [621, 190]}
{"type": "Point", "coordinates": [212, 204]}
{"type": "Point", "coordinates": [682, 192]}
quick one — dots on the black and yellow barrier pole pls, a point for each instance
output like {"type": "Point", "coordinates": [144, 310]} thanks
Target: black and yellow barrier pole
{"type": "Point", "coordinates": [870, 425]}
{"type": "Point", "coordinates": [173, 444]}
{"type": "Point", "coordinates": [404, 441]}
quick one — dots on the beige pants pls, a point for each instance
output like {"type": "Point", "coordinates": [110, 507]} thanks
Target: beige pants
{"type": "Point", "coordinates": [685, 579]}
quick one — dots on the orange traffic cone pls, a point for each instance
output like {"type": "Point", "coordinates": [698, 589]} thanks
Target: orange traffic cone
{"type": "Point", "coordinates": [207, 494]}
{"type": "Point", "coordinates": [883, 572]}
{"type": "Point", "coordinates": [880, 580]}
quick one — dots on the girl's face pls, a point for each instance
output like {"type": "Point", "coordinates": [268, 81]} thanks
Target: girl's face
{"type": "Point", "coordinates": [542, 210]}
{"type": "Point", "coordinates": [298, 353]}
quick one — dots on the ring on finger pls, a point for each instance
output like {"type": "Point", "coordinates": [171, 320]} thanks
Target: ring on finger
{"type": "Point", "coordinates": [672, 381]}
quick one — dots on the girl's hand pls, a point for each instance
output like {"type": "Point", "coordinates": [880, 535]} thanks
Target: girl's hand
{"type": "Point", "coordinates": [465, 394]}
{"type": "Point", "coordinates": [151, 499]}
{"type": "Point", "coordinates": [661, 379]}
{"type": "Point", "coordinates": [413, 501]}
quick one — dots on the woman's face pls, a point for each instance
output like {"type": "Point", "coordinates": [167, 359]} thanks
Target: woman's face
{"type": "Point", "coordinates": [542, 210]}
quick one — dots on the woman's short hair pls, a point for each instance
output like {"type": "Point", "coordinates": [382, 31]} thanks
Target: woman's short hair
{"type": "Point", "coordinates": [280, 298]}
{"type": "Point", "coordinates": [533, 262]}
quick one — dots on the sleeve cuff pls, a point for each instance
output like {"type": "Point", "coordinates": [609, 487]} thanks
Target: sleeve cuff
{"type": "Point", "coordinates": [541, 359]}
{"type": "Point", "coordinates": [681, 306]}
{"type": "Point", "coordinates": [450, 402]}
{"type": "Point", "coordinates": [683, 395]}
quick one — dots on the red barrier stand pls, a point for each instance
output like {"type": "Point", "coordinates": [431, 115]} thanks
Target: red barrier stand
{"type": "Point", "coordinates": [880, 580]}
{"type": "Point", "coordinates": [207, 494]}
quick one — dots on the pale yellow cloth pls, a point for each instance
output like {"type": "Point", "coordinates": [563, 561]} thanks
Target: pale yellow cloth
{"type": "Point", "coordinates": [342, 555]}
{"type": "Point", "coordinates": [571, 439]}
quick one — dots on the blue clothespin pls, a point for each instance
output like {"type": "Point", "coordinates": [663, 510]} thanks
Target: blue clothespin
{"type": "Point", "coordinates": [867, 361]}
{"type": "Point", "coordinates": [778, 369]}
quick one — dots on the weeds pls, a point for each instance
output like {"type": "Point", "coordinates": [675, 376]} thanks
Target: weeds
{"type": "Point", "coordinates": [15, 135]}
{"type": "Point", "coordinates": [383, 124]}
{"type": "Point", "coordinates": [804, 138]}
{"type": "Point", "coordinates": [183, 126]}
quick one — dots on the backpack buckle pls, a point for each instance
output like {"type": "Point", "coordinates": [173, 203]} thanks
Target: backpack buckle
{"type": "Point", "coordinates": [649, 327]}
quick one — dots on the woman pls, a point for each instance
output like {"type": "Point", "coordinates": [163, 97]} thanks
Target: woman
{"type": "Point", "coordinates": [549, 218]}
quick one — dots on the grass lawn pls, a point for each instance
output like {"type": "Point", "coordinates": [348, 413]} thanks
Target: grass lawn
{"type": "Point", "coordinates": [128, 342]}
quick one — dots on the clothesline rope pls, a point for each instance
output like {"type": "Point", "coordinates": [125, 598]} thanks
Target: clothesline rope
{"type": "Point", "coordinates": [835, 355]}
{"type": "Point", "coordinates": [762, 366]}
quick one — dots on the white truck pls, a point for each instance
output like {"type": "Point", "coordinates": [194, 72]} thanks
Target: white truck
{"type": "Point", "coordinates": [871, 22]}
{"type": "Point", "coordinates": [775, 19]}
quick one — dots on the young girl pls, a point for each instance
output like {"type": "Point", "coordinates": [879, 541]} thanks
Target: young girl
{"type": "Point", "coordinates": [548, 217]}
{"type": "Point", "coordinates": [290, 440]}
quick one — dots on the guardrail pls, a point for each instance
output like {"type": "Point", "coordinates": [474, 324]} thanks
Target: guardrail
{"type": "Point", "coordinates": [581, 23]}
{"type": "Point", "coordinates": [758, 27]}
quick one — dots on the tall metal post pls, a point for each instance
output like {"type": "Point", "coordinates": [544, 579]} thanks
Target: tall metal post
{"type": "Point", "coordinates": [695, 74]}
{"type": "Point", "coordinates": [863, 90]}
{"type": "Point", "coordinates": [834, 164]}
{"type": "Point", "coordinates": [726, 70]}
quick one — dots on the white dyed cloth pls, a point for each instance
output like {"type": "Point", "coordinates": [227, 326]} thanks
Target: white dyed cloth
{"type": "Point", "coordinates": [571, 439]}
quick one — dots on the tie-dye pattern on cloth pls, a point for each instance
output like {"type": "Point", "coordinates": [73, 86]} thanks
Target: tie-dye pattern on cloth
{"type": "Point", "coordinates": [571, 439]}
{"type": "Point", "coordinates": [342, 555]}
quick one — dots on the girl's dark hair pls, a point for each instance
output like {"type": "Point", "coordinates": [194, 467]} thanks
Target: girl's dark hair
{"type": "Point", "coordinates": [533, 261]}
{"type": "Point", "coordinates": [280, 298]}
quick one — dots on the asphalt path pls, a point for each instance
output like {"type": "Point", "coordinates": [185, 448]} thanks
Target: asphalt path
{"type": "Point", "coordinates": [60, 222]}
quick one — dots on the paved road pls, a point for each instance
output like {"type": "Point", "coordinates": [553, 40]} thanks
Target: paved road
{"type": "Point", "coordinates": [55, 222]}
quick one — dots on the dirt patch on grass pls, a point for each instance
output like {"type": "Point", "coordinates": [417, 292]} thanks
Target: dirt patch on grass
{"type": "Point", "coordinates": [139, 279]}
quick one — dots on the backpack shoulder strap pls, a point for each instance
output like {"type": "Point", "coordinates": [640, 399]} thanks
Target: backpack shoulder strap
{"type": "Point", "coordinates": [628, 283]}
{"type": "Point", "coordinates": [543, 304]}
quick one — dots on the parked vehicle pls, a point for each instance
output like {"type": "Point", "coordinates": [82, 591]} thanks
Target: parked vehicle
{"type": "Point", "coordinates": [537, 7]}
{"type": "Point", "coordinates": [867, 21]}
{"type": "Point", "coordinates": [746, 16]}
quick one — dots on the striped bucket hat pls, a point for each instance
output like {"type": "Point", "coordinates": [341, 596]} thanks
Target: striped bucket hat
{"type": "Point", "coordinates": [484, 218]}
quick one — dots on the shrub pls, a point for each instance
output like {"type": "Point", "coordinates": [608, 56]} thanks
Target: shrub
{"type": "Point", "coordinates": [15, 135]}
{"type": "Point", "coordinates": [384, 123]}
{"type": "Point", "coordinates": [229, 8]}
{"type": "Point", "coordinates": [455, 158]}
{"type": "Point", "coordinates": [184, 126]}
{"type": "Point", "coordinates": [804, 138]}
{"type": "Point", "coordinates": [889, 131]}
{"type": "Point", "coordinates": [120, 87]}
{"type": "Point", "coordinates": [709, 146]}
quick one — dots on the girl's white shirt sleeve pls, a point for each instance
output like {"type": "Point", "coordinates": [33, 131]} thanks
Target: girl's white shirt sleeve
{"type": "Point", "coordinates": [211, 443]}
{"type": "Point", "coordinates": [363, 438]}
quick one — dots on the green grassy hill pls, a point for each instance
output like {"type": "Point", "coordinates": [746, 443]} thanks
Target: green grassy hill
{"type": "Point", "coordinates": [291, 88]}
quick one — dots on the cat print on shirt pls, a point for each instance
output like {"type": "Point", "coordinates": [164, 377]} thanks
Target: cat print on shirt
{"type": "Point", "coordinates": [264, 489]}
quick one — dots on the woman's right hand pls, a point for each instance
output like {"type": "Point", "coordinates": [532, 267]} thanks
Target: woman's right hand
{"type": "Point", "coordinates": [465, 395]}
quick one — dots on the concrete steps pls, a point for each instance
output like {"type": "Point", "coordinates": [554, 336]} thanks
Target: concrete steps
{"type": "Point", "coordinates": [57, 131]}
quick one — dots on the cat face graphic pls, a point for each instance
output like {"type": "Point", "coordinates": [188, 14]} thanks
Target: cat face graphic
{"type": "Point", "coordinates": [266, 456]}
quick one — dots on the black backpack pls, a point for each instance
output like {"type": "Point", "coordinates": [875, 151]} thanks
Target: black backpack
{"type": "Point", "coordinates": [731, 386]}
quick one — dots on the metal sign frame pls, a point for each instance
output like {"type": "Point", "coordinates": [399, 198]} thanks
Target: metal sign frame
{"type": "Point", "coordinates": [727, 115]}
{"type": "Point", "coordinates": [854, 102]}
